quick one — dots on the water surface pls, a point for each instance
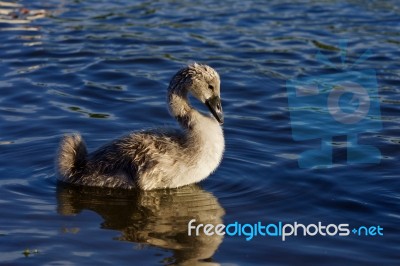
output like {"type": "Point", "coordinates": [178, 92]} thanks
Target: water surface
{"type": "Point", "coordinates": [101, 68]}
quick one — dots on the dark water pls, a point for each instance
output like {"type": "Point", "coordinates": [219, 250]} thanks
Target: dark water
{"type": "Point", "coordinates": [102, 68]}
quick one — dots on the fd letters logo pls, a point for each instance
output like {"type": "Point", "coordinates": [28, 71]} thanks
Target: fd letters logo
{"type": "Point", "coordinates": [342, 103]}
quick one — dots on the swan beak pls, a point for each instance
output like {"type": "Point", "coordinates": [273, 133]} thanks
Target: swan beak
{"type": "Point", "coordinates": [214, 104]}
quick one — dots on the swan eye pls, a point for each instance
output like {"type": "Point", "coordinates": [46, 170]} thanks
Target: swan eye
{"type": "Point", "coordinates": [211, 87]}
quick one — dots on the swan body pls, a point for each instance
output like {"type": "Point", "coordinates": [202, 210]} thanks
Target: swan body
{"type": "Point", "coordinates": [154, 159]}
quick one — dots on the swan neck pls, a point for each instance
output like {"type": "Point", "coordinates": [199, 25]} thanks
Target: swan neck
{"type": "Point", "coordinates": [179, 107]}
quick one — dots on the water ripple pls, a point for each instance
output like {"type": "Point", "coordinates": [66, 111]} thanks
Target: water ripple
{"type": "Point", "coordinates": [97, 68]}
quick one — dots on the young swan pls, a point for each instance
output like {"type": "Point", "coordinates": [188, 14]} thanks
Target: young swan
{"type": "Point", "coordinates": [156, 159]}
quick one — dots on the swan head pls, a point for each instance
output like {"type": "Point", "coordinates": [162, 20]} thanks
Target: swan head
{"type": "Point", "coordinates": [203, 82]}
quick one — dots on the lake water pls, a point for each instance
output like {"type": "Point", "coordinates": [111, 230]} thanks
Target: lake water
{"type": "Point", "coordinates": [102, 68]}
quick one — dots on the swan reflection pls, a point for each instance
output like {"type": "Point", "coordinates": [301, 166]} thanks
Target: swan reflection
{"type": "Point", "coordinates": [157, 218]}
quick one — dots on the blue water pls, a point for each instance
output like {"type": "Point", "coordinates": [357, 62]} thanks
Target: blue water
{"type": "Point", "coordinates": [102, 67]}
